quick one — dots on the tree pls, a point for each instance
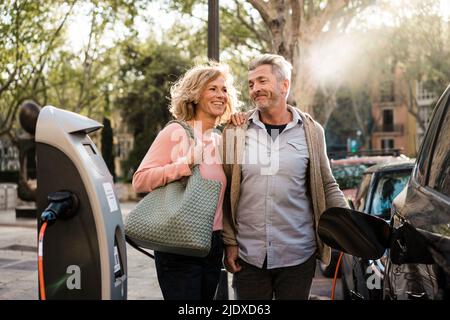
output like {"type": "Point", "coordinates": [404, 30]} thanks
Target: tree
{"type": "Point", "coordinates": [298, 29]}
{"type": "Point", "coordinates": [420, 46]}
{"type": "Point", "coordinates": [107, 146]}
{"type": "Point", "coordinates": [32, 37]}
{"type": "Point", "coordinates": [27, 43]}
{"type": "Point", "coordinates": [107, 138]}
{"type": "Point", "coordinates": [353, 114]}
{"type": "Point", "coordinates": [145, 79]}
{"type": "Point", "coordinates": [242, 36]}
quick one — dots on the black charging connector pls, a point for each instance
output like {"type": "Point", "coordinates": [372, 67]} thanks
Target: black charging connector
{"type": "Point", "coordinates": [63, 205]}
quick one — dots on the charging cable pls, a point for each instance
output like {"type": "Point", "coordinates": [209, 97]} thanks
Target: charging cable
{"type": "Point", "coordinates": [335, 275]}
{"type": "Point", "coordinates": [63, 204]}
{"type": "Point", "coordinates": [40, 261]}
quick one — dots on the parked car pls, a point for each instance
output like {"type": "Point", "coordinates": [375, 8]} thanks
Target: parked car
{"type": "Point", "coordinates": [348, 173]}
{"type": "Point", "coordinates": [417, 239]}
{"type": "Point", "coordinates": [426, 211]}
{"type": "Point", "coordinates": [378, 188]}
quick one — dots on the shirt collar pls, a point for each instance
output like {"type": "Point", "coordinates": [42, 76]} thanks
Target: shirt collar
{"type": "Point", "coordinates": [254, 118]}
{"type": "Point", "coordinates": [296, 119]}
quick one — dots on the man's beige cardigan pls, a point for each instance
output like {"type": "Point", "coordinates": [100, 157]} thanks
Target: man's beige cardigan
{"type": "Point", "coordinates": [324, 190]}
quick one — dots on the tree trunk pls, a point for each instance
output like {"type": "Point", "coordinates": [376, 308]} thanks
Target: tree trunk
{"type": "Point", "coordinates": [303, 87]}
{"type": "Point", "coordinates": [294, 27]}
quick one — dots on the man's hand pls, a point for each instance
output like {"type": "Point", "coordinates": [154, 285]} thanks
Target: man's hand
{"type": "Point", "coordinates": [238, 118]}
{"type": "Point", "coordinates": [231, 256]}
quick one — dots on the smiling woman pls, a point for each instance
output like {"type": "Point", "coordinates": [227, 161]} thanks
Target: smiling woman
{"type": "Point", "coordinates": [213, 100]}
{"type": "Point", "coordinates": [201, 99]}
{"type": "Point", "coordinates": [191, 94]}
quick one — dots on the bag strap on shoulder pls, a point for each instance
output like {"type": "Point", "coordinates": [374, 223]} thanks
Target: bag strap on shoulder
{"type": "Point", "coordinates": [185, 126]}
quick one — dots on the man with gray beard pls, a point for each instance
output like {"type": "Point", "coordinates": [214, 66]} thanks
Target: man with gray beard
{"type": "Point", "coordinates": [279, 182]}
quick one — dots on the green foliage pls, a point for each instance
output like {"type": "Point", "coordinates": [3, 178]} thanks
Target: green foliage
{"type": "Point", "coordinates": [243, 35]}
{"type": "Point", "coordinates": [145, 79]}
{"type": "Point", "coordinates": [348, 177]}
{"type": "Point", "coordinates": [29, 32]}
{"type": "Point", "coordinates": [420, 43]}
{"type": "Point", "coordinates": [353, 113]}
{"type": "Point", "coordinates": [37, 65]}
{"type": "Point", "coordinates": [242, 30]}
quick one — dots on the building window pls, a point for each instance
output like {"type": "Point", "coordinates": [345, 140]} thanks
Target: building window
{"type": "Point", "coordinates": [425, 114]}
{"type": "Point", "coordinates": [388, 120]}
{"type": "Point", "coordinates": [424, 94]}
{"type": "Point", "coordinates": [9, 156]}
{"type": "Point", "coordinates": [387, 91]}
{"type": "Point", "coordinates": [387, 144]}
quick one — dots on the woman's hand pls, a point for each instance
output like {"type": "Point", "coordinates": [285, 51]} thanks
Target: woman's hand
{"type": "Point", "coordinates": [238, 118]}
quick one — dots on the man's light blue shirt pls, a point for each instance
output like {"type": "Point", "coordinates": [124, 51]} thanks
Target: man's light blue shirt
{"type": "Point", "coordinates": [274, 213]}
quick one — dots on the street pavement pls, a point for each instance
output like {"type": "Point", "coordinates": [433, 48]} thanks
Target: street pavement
{"type": "Point", "coordinates": [18, 265]}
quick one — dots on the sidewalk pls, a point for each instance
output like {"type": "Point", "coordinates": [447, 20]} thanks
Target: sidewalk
{"type": "Point", "coordinates": [8, 218]}
{"type": "Point", "coordinates": [18, 262]}
{"type": "Point", "coordinates": [18, 265]}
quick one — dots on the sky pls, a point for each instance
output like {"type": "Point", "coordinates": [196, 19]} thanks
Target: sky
{"type": "Point", "coordinates": [445, 9]}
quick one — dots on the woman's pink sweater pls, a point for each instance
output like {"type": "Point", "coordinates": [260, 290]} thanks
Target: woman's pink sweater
{"type": "Point", "coordinates": [165, 162]}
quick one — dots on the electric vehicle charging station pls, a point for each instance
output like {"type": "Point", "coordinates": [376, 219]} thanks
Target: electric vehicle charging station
{"type": "Point", "coordinates": [83, 252]}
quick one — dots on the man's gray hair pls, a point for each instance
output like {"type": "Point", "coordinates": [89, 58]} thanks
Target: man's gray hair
{"type": "Point", "coordinates": [280, 66]}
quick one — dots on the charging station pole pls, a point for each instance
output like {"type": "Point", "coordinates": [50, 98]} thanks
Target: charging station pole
{"type": "Point", "coordinates": [84, 252]}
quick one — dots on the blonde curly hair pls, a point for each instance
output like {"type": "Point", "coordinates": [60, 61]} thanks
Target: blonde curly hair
{"type": "Point", "coordinates": [185, 93]}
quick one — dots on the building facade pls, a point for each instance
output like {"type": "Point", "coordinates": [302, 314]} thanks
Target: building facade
{"type": "Point", "coordinates": [396, 115]}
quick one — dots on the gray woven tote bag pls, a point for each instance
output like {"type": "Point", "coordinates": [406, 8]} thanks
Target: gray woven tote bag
{"type": "Point", "coordinates": [178, 217]}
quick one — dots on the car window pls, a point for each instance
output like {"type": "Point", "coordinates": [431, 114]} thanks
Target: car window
{"type": "Point", "coordinates": [361, 197]}
{"type": "Point", "coordinates": [439, 177]}
{"type": "Point", "coordinates": [388, 187]}
{"type": "Point", "coordinates": [427, 143]}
